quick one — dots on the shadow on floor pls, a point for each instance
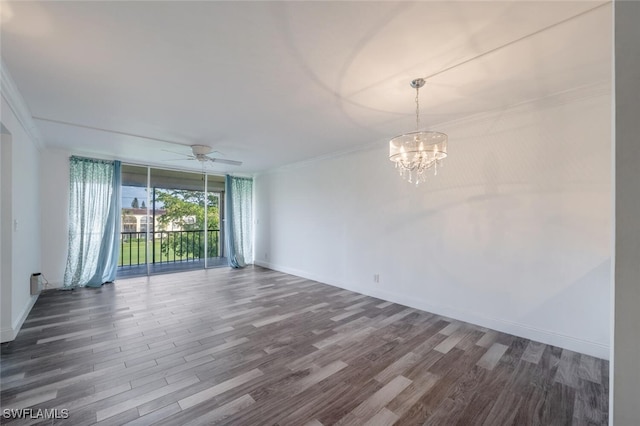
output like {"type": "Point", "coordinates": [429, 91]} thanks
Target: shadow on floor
{"type": "Point", "coordinates": [168, 267]}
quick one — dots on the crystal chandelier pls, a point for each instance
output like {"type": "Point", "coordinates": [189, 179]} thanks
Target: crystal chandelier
{"type": "Point", "coordinates": [416, 152]}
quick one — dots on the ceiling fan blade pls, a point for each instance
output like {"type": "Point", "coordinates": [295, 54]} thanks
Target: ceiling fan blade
{"type": "Point", "coordinates": [223, 161]}
{"type": "Point", "coordinates": [173, 152]}
{"type": "Point", "coordinates": [185, 158]}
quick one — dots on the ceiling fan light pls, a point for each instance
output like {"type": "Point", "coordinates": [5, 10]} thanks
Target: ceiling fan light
{"type": "Point", "coordinates": [201, 150]}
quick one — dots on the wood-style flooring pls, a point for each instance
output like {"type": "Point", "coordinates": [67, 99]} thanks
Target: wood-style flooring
{"type": "Point", "coordinates": [259, 347]}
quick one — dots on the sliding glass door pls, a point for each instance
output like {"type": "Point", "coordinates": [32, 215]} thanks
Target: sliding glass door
{"type": "Point", "coordinates": [170, 221]}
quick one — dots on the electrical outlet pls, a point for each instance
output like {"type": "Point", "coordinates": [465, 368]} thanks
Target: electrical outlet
{"type": "Point", "coordinates": [376, 278]}
{"type": "Point", "coordinates": [266, 256]}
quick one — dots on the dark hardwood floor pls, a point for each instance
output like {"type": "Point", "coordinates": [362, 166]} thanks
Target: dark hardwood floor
{"type": "Point", "coordinates": [258, 347]}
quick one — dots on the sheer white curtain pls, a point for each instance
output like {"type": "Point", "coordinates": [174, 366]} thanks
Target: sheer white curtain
{"type": "Point", "coordinates": [94, 222]}
{"type": "Point", "coordinates": [239, 220]}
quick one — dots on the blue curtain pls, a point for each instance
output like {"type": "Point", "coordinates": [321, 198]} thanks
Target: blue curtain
{"type": "Point", "coordinates": [94, 222]}
{"type": "Point", "coordinates": [239, 220]}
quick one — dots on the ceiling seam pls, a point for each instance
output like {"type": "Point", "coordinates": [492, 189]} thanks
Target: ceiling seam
{"type": "Point", "coordinates": [495, 49]}
{"type": "Point", "coordinates": [66, 123]}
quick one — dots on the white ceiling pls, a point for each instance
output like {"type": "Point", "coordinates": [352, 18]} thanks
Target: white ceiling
{"type": "Point", "coordinates": [272, 83]}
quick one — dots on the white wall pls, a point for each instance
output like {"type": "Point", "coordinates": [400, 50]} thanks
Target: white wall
{"type": "Point", "coordinates": [5, 235]}
{"type": "Point", "coordinates": [54, 185]}
{"type": "Point", "coordinates": [22, 207]}
{"type": "Point", "coordinates": [625, 385]}
{"type": "Point", "coordinates": [513, 233]}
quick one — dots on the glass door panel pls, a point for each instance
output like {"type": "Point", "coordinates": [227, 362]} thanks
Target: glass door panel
{"type": "Point", "coordinates": [177, 221]}
{"type": "Point", "coordinates": [132, 260]}
{"type": "Point", "coordinates": [215, 214]}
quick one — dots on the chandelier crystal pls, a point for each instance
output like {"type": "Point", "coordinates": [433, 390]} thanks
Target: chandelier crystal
{"type": "Point", "coordinates": [416, 152]}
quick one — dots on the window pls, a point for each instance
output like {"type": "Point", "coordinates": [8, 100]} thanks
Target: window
{"type": "Point", "coordinates": [143, 224]}
{"type": "Point", "coordinates": [129, 222]}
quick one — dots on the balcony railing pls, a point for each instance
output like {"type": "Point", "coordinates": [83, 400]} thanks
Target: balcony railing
{"type": "Point", "coordinates": [167, 247]}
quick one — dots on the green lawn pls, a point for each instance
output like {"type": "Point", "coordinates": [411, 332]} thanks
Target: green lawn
{"type": "Point", "coordinates": [134, 253]}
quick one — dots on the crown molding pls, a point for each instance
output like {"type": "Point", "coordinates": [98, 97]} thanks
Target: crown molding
{"type": "Point", "coordinates": [18, 105]}
{"type": "Point", "coordinates": [570, 96]}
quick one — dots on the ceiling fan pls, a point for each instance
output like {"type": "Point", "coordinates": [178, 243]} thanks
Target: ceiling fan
{"type": "Point", "coordinates": [201, 153]}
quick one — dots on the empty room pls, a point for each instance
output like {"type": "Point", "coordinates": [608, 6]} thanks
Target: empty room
{"type": "Point", "coordinates": [320, 213]}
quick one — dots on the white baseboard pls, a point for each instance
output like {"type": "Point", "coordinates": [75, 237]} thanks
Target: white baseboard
{"type": "Point", "coordinates": [517, 329]}
{"type": "Point", "coordinates": [9, 334]}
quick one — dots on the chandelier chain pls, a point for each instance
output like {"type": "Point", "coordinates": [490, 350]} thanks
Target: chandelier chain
{"type": "Point", "coordinates": [417, 108]}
